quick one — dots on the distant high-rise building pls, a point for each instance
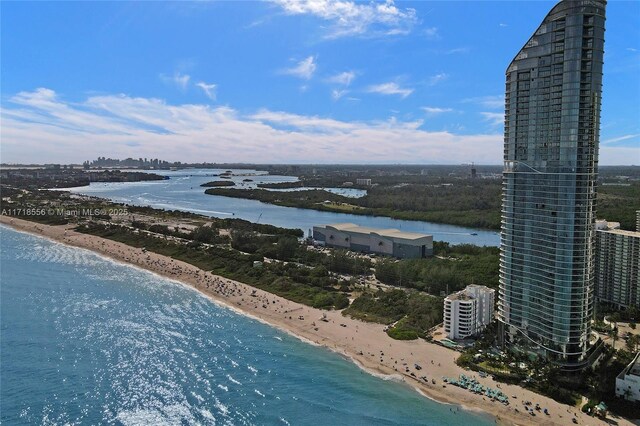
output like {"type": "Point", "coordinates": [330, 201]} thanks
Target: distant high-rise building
{"type": "Point", "coordinates": [638, 220]}
{"type": "Point", "coordinates": [552, 122]}
{"type": "Point", "coordinates": [617, 265]}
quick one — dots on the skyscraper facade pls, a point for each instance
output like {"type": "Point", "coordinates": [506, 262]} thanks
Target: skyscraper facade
{"type": "Point", "coordinates": [617, 266]}
{"type": "Point", "coordinates": [551, 136]}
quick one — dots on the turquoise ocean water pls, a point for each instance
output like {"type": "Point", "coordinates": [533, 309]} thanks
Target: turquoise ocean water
{"type": "Point", "coordinates": [85, 340]}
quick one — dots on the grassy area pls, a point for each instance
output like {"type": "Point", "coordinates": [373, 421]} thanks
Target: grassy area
{"type": "Point", "coordinates": [412, 313]}
{"type": "Point", "coordinates": [453, 269]}
{"type": "Point", "coordinates": [619, 204]}
{"type": "Point", "coordinates": [15, 202]}
{"type": "Point", "coordinates": [470, 203]}
{"type": "Point", "coordinates": [341, 207]}
{"type": "Point", "coordinates": [306, 280]}
{"type": "Point", "coordinates": [293, 282]}
{"type": "Point", "coordinates": [491, 368]}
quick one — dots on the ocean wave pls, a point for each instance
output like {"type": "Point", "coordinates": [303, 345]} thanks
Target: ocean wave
{"type": "Point", "coordinates": [232, 380]}
{"type": "Point", "coordinates": [123, 350]}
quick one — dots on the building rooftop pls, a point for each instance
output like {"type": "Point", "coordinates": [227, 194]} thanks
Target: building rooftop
{"type": "Point", "coordinates": [602, 224]}
{"type": "Point", "coordinates": [351, 227]}
{"type": "Point", "coordinates": [635, 366]}
{"type": "Point", "coordinates": [621, 232]}
{"type": "Point", "coordinates": [467, 293]}
{"type": "Point", "coordinates": [461, 295]}
{"type": "Point", "coordinates": [633, 369]}
{"type": "Point", "coordinates": [478, 286]}
{"type": "Point", "coordinates": [390, 232]}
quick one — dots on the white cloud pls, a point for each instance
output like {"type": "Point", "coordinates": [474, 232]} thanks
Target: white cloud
{"type": "Point", "coordinates": [390, 88]}
{"type": "Point", "coordinates": [40, 127]}
{"type": "Point", "coordinates": [493, 102]}
{"type": "Point", "coordinates": [337, 94]}
{"type": "Point", "coordinates": [350, 18]}
{"type": "Point", "coordinates": [181, 81]}
{"type": "Point", "coordinates": [208, 89]}
{"type": "Point", "coordinates": [432, 33]}
{"type": "Point", "coordinates": [343, 78]}
{"type": "Point", "coordinates": [457, 50]}
{"type": "Point", "coordinates": [494, 118]}
{"type": "Point", "coordinates": [438, 78]}
{"type": "Point", "coordinates": [301, 121]}
{"type": "Point", "coordinates": [436, 110]}
{"type": "Point", "coordinates": [502, 25]}
{"type": "Point", "coordinates": [620, 138]}
{"type": "Point", "coordinates": [616, 156]}
{"type": "Point", "coordinates": [304, 69]}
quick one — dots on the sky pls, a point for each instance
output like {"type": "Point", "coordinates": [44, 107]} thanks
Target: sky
{"type": "Point", "coordinates": [283, 81]}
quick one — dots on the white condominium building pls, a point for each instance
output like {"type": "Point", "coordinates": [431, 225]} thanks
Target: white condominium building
{"type": "Point", "coordinates": [468, 312]}
{"type": "Point", "coordinates": [617, 265]}
{"type": "Point", "coordinates": [628, 381]}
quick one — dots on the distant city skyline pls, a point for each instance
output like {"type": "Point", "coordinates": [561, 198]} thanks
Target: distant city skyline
{"type": "Point", "coordinates": [283, 81]}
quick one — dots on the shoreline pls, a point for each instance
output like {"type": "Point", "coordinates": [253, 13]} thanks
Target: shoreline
{"type": "Point", "coordinates": [230, 215]}
{"type": "Point", "coordinates": [364, 344]}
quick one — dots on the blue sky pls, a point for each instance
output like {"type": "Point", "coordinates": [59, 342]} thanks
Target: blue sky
{"type": "Point", "coordinates": [283, 81]}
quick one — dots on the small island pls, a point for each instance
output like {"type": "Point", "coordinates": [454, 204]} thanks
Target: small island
{"type": "Point", "coordinates": [217, 183]}
{"type": "Point", "coordinates": [281, 185]}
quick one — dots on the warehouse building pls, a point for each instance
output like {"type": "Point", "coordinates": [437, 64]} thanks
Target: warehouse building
{"type": "Point", "coordinates": [390, 242]}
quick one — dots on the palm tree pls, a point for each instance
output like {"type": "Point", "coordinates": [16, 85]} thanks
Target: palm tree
{"type": "Point", "coordinates": [632, 342]}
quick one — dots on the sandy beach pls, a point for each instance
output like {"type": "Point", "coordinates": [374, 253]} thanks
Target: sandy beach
{"type": "Point", "coordinates": [365, 343]}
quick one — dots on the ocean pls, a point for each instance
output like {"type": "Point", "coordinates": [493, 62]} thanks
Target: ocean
{"type": "Point", "coordinates": [86, 340]}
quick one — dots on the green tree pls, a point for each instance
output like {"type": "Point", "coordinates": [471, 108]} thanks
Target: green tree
{"type": "Point", "coordinates": [286, 247]}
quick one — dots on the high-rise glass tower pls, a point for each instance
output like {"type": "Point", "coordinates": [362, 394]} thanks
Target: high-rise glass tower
{"type": "Point", "coordinates": [551, 136]}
